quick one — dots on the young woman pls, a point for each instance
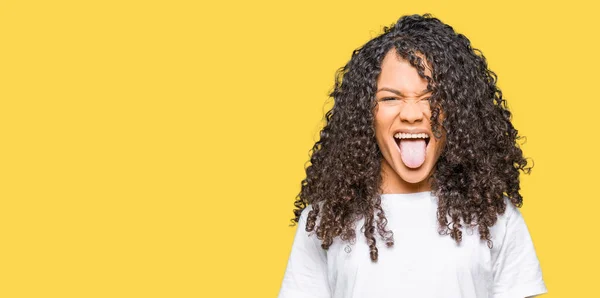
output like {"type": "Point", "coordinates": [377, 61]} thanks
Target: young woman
{"type": "Point", "coordinates": [413, 187]}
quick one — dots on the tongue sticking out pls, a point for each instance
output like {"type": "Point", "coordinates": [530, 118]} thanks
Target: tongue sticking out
{"type": "Point", "coordinates": [413, 152]}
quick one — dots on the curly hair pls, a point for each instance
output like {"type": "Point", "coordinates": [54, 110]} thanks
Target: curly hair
{"type": "Point", "coordinates": [477, 169]}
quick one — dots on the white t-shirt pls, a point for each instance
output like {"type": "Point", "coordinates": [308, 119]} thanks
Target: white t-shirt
{"type": "Point", "coordinates": [421, 263]}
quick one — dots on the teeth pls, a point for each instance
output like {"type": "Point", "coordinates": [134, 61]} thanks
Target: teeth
{"type": "Point", "coordinates": [401, 135]}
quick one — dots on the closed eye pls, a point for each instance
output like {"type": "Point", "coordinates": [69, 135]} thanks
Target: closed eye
{"type": "Point", "coordinates": [426, 99]}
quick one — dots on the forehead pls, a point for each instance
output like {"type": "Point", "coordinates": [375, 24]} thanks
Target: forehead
{"type": "Point", "coordinates": [398, 73]}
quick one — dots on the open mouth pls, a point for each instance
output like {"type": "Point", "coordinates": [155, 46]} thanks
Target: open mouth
{"type": "Point", "coordinates": [413, 147]}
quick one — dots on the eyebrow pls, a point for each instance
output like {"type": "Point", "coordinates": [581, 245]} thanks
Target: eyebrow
{"type": "Point", "coordinates": [400, 93]}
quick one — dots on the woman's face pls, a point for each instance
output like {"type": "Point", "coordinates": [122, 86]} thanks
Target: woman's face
{"type": "Point", "coordinates": [403, 127]}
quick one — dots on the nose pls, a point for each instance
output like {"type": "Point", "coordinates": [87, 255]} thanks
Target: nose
{"type": "Point", "coordinates": [411, 112]}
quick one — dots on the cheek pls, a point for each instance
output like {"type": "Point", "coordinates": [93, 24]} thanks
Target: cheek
{"type": "Point", "coordinates": [380, 132]}
{"type": "Point", "coordinates": [379, 136]}
{"type": "Point", "coordinates": [384, 117]}
{"type": "Point", "coordinates": [439, 145]}
{"type": "Point", "coordinates": [381, 124]}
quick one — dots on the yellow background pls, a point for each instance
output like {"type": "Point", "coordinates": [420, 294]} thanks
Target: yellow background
{"type": "Point", "coordinates": [154, 148]}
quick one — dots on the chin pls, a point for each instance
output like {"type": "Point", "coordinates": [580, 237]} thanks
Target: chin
{"type": "Point", "coordinates": [413, 176]}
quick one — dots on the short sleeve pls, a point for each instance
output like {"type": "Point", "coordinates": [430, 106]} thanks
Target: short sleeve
{"type": "Point", "coordinates": [517, 271]}
{"type": "Point", "coordinates": [306, 272]}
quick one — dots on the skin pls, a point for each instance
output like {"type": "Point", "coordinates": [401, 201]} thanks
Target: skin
{"type": "Point", "coordinates": [403, 106]}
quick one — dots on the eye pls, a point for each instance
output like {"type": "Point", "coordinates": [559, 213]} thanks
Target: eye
{"type": "Point", "coordinates": [387, 98]}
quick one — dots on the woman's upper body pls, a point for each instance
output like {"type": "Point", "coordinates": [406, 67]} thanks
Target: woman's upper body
{"type": "Point", "coordinates": [421, 263]}
{"type": "Point", "coordinates": [419, 118]}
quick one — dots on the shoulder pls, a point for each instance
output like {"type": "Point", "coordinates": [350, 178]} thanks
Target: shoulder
{"type": "Point", "coordinates": [510, 228]}
{"type": "Point", "coordinates": [517, 271]}
{"type": "Point", "coordinates": [511, 212]}
{"type": "Point", "coordinates": [303, 219]}
{"type": "Point", "coordinates": [305, 212]}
